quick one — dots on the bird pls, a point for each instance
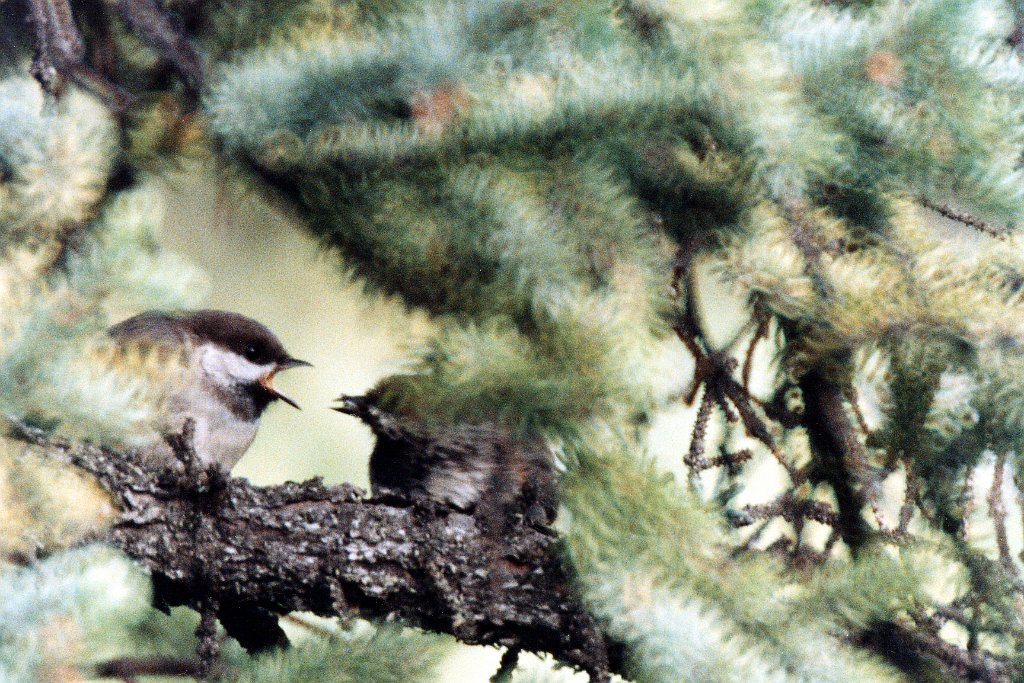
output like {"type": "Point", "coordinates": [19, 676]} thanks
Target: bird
{"type": "Point", "coordinates": [220, 385]}
{"type": "Point", "coordinates": [480, 469]}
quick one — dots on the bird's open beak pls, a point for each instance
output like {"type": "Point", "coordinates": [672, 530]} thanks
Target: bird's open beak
{"type": "Point", "coordinates": [350, 405]}
{"type": "Point", "coordinates": [267, 381]}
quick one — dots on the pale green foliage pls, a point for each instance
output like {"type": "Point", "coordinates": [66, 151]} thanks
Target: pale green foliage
{"type": "Point", "coordinates": [76, 605]}
{"type": "Point", "coordinates": [57, 298]}
{"type": "Point", "coordinates": [54, 160]}
{"type": "Point", "coordinates": [690, 615]}
{"type": "Point", "coordinates": [73, 258]}
{"type": "Point", "coordinates": [867, 296]}
{"type": "Point", "coordinates": [385, 653]}
{"type": "Point", "coordinates": [674, 639]}
{"type": "Point", "coordinates": [52, 368]}
{"type": "Point", "coordinates": [870, 589]}
{"type": "Point", "coordinates": [547, 254]}
{"type": "Point", "coordinates": [121, 265]}
{"type": "Point", "coordinates": [84, 607]}
{"type": "Point", "coordinates": [915, 104]}
{"type": "Point", "coordinates": [45, 504]}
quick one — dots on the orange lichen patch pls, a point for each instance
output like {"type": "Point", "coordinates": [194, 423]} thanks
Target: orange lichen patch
{"type": "Point", "coordinates": [167, 127]}
{"type": "Point", "coordinates": [434, 109]}
{"type": "Point", "coordinates": [884, 68]}
{"type": "Point", "coordinates": [180, 129]}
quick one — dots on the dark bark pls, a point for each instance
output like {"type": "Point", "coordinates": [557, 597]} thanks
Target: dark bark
{"type": "Point", "coordinates": [249, 553]}
{"type": "Point", "coordinates": [128, 668]}
{"type": "Point", "coordinates": [913, 649]}
{"type": "Point", "coordinates": [840, 459]}
{"type": "Point", "coordinates": [61, 52]}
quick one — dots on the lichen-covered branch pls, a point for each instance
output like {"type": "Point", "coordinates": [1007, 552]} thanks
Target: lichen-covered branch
{"type": "Point", "coordinates": [250, 553]}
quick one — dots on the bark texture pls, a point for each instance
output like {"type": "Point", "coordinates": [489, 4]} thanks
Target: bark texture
{"type": "Point", "coordinates": [248, 553]}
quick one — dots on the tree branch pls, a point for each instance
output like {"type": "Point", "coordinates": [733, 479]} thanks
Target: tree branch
{"type": "Point", "coordinates": [964, 218]}
{"type": "Point", "coordinates": [840, 458]}
{"type": "Point", "coordinates": [257, 552]}
{"type": "Point", "coordinates": [127, 668]}
{"type": "Point", "coordinates": [902, 644]}
{"type": "Point", "coordinates": [997, 511]}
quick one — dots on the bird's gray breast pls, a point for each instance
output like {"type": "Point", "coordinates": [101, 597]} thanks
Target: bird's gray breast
{"type": "Point", "coordinates": [223, 426]}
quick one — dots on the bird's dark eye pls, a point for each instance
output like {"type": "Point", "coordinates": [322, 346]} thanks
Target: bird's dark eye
{"type": "Point", "coordinates": [252, 352]}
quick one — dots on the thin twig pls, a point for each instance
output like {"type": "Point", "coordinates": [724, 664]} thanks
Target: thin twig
{"type": "Point", "coordinates": [854, 400]}
{"type": "Point", "coordinates": [127, 668]}
{"type": "Point", "coordinates": [728, 459]}
{"type": "Point", "coordinates": [507, 665]}
{"type": "Point", "coordinates": [760, 332]}
{"type": "Point", "coordinates": [967, 495]}
{"type": "Point", "coordinates": [695, 458]}
{"type": "Point", "coordinates": [713, 370]}
{"type": "Point", "coordinates": [883, 526]}
{"type": "Point", "coordinates": [58, 42]}
{"type": "Point", "coordinates": [804, 234]}
{"type": "Point", "coordinates": [790, 508]}
{"type": "Point", "coordinates": [152, 22]}
{"type": "Point", "coordinates": [910, 497]}
{"type": "Point", "coordinates": [831, 541]}
{"type": "Point", "coordinates": [897, 640]}
{"type": "Point", "coordinates": [997, 511]}
{"type": "Point", "coordinates": [964, 218]}
{"type": "Point", "coordinates": [753, 538]}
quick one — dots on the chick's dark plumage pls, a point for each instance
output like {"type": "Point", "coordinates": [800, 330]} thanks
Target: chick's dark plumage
{"type": "Point", "coordinates": [476, 468]}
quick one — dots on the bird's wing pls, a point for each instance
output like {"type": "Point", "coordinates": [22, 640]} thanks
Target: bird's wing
{"type": "Point", "coordinates": [152, 346]}
{"type": "Point", "coordinates": [152, 328]}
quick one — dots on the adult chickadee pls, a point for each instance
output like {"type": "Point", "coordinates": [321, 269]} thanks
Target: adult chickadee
{"type": "Point", "coordinates": [222, 380]}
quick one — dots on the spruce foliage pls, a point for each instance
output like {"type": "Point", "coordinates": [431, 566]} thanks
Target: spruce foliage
{"type": "Point", "coordinates": [565, 186]}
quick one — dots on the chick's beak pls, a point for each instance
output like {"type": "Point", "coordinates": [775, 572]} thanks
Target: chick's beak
{"type": "Point", "coordinates": [349, 405]}
{"type": "Point", "coordinates": [267, 380]}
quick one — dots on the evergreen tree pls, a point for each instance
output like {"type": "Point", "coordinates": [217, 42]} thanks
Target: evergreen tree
{"type": "Point", "coordinates": [567, 187]}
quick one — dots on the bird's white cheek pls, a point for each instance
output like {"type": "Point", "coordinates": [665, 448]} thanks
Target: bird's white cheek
{"type": "Point", "coordinates": [229, 368]}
